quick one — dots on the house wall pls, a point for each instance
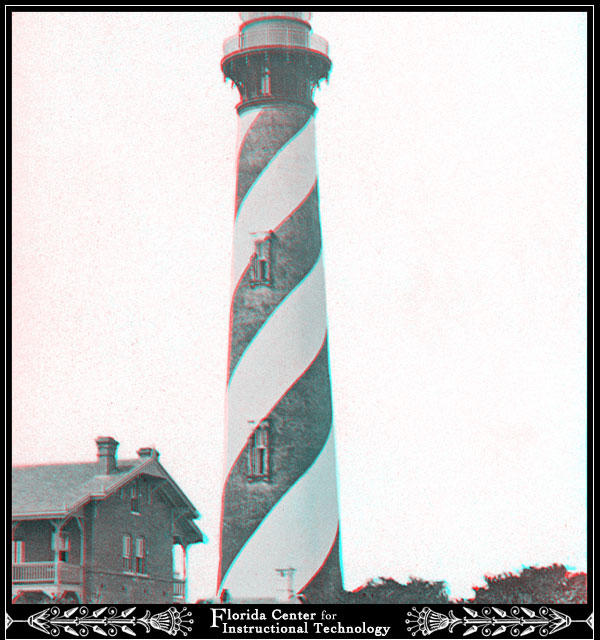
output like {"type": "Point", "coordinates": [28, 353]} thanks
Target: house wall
{"type": "Point", "coordinates": [37, 537]}
{"type": "Point", "coordinates": [107, 522]}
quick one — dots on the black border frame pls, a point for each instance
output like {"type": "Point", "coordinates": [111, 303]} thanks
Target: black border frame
{"type": "Point", "coordinates": [394, 616]}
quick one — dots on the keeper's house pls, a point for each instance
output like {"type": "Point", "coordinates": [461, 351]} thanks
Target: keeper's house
{"type": "Point", "coordinates": [102, 531]}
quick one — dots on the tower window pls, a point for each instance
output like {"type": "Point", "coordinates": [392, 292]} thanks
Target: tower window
{"type": "Point", "coordinates": [263, 271]}
{"type": "Point", "coordinates": [261, 262]}
{"type": "Point", "coordinates": [258, 461]}
{"type": "Point", "coordinates": [265, 82]}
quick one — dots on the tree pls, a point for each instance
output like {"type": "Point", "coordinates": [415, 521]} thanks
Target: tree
{"type": "Point", "coordinates": [551, 585]}
{"type": "Point", "coordinates": [388, 591]}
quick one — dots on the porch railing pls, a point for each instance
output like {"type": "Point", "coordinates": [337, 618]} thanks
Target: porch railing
{"type": "Point", "coordinates": [178, 588]}
{"type": "Point", "coordinates": [70, 573]}
{"type": "Point", "coordinates": [46, 573]}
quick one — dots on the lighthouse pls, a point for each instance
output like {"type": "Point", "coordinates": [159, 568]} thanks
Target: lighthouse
{"type": "Point", "coordinates": [280, 502]}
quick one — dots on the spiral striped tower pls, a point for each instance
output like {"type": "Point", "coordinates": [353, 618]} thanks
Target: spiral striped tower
{"type": "Point", "coordinates": [280, 524]}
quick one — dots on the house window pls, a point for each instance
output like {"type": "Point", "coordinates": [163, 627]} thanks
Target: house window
{"type": "Point", "coordinates": [135, 497]}
{"type": "Point", "coordinates": [61, 543]}
{"type": "Point", "coordinates": [127, 552]}
{"type": "Point", "coordinates": [140, 555]}
{"type": "Point", "coordinates": [259, 453]}
{"type": "Point", "coordinates": [64, 547]}
{"type": "Point", "coordinates": [261, 262]}
{"type": "Point", "coordinates": [18, 551]}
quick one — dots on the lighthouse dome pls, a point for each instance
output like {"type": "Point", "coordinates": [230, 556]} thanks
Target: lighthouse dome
{"type": "Point", "coordinates": [246, 16]}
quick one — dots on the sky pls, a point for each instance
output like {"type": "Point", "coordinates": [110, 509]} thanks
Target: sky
{"type": "Point", "coordinates": [452, 163]}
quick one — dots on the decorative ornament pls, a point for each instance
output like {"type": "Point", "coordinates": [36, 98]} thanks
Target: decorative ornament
{"type": "Point", "coordinates": [106, 621]}
{"type": "Point", "coordinates": [491, 621]}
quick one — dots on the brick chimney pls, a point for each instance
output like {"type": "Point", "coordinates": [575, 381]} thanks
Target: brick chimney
{"type": "Point", "coordinates": [107, 454]}
{"type": "Point", "coordinates": [148, 452]}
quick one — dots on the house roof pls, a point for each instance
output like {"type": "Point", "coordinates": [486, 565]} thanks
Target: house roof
{"type": "Point", "coordinates": [58, 490]}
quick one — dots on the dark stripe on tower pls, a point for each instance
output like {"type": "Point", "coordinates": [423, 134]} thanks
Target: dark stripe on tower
{"type": "Point", "coordinates": [295, 248]}
{"type": "Point", "coordinates": [326, 586]}
{"type": "Point", "coordinates": [266, 136]}
{"type": "Point", "coordinates": [300, 424]}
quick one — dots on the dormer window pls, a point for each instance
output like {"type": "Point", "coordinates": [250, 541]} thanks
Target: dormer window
{"type": "Point", "coordinates": [261, 262]}
{"type": "Point", "coordinates": [258, 454]}
{"type": "Point", "coordinates": [135, 497]}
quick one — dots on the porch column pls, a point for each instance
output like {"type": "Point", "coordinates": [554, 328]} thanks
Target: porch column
{"type": "Point", "coordinates": [54, 543]}
{"type": "Point", "coordinates": [80, 523]}
{"type": "Point", "coordinates": [58, 525]}
{"type": "Point", "coordinates": [184, 547]}
{"type": "Point", "coordinates": [14, 526]}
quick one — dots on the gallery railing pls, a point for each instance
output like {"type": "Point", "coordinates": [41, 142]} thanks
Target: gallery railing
{"type": "Point", "coordinates": [297, 38]}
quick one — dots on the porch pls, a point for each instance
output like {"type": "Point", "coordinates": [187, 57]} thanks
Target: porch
{"type": "Point", "coordinates": [48, 557]}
